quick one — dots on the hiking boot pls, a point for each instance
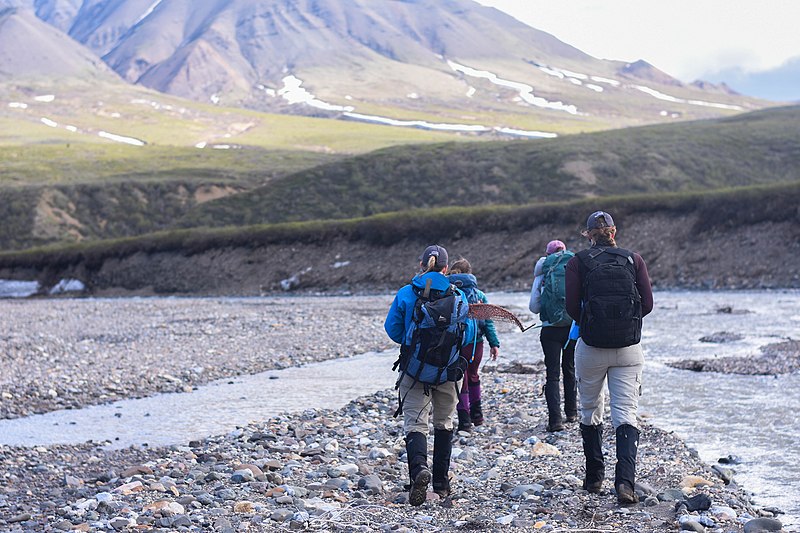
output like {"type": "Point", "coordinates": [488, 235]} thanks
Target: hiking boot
{"type": "Point", "coordinates": [555, 426]}
{"type": "Point", "coordinates": [571, 418]}
{"type": "Point", "coordinates": [464, 421]}
{"type": "Point", "coordinates": [625, 495]}
{"type": "Point", "coordinates": [442, 449]}
{"type": "Point", "coordinates": [625, 471]}
{"type": "Point", "coordinates": [418, 473]}
{"type": "Point", "coordinates": [593, 450]}
{"type": "Point", "coordinates": [475, 413]}
{"type": "Point", "coordinates": [419, 487]}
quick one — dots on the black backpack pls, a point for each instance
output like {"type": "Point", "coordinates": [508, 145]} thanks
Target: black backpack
{"type": "Point", "coordinates": [611, 316]}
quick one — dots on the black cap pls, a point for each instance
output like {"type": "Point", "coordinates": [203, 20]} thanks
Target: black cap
{"type": "Point", "coordinates": [599, 219]}
{"type": "Point", "coordinates": [436, 251]}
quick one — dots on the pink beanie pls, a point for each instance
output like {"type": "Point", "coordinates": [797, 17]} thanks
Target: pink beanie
{"type": "Point", "coordinates": [555, 246]}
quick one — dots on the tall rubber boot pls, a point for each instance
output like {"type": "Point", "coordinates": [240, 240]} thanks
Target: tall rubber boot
{"type": "Point", "coordinates": [464, 421]}
{"type": "Point", "coordinates": [442, 448]}
{"type": "Point", "coordinates": [593, 450]}
{"type": "Point", "coordinates": [418, 473]}
{"type": "Point", "coordinates": [625, 472]}
{"type": "Point", "coordinates": [552, 394]}
{"type": "Point", "coordinates": [475, 411]}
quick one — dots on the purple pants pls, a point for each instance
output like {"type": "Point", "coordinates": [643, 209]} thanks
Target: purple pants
{"type": "Point", "coordinates": [471, 389]}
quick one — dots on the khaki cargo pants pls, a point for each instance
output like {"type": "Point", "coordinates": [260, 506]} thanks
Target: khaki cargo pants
{"type": "Point", "coordinates": [622, 368]}
{"type": "Point", "coordinates": [440, 401]}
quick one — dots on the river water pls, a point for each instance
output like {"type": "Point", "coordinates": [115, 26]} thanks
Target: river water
{"type": "Point", "coordinates": [754, 417]}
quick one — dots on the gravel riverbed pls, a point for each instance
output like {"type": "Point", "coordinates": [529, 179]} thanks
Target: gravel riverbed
{"type": "Point", "coordinates": [341, 470]}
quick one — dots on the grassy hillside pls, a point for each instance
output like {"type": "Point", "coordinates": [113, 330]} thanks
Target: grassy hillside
{"type": "Point", "coordinates": [712, 212]}
{"type": "Point", "coordinates": [61, 180]}
{"type": "Point", "coordinates": [755, 148]}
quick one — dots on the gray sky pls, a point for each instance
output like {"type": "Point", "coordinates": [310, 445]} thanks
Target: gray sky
{"type": "Point", "coordinates": [688, 39]}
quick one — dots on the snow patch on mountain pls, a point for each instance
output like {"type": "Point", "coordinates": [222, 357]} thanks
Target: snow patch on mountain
{"type": "Point", "coordinates": [666, 97]}
{"type": "Point", "coordinates": [148, 12]}
{"type": "Point", "coordinates": [121, 138]}
{"type": "Point", "coordinates": [294, 93]}
{"type": "Point", "coordinates": [525, 91]}
{"type": "Point", "coordinates": [417, 123]}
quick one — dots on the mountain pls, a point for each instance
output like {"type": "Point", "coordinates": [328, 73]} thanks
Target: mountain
{"type": "Point", "coordinates": [32, 49]}
{"type": "Point", "coordinates": [451, 65]}
{"type": "Point", "coordinates": [781, 84]}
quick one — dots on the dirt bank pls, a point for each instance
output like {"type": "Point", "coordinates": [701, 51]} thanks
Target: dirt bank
{"type": "Point", "coordinates": [679, 253]}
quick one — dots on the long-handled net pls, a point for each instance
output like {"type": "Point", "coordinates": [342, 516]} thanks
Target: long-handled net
{"type": "Point", "coordinates": [495, 312]}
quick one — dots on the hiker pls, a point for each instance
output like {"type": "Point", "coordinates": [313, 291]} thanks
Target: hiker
{"type": "Point", "coordinates": [548, 300]}
{"type": "Point", "coordinates": [469, 400]}
{"type": "Point", "coordinates": [608, 293]}
{"type": "Point", "coordinates": [428, 318]}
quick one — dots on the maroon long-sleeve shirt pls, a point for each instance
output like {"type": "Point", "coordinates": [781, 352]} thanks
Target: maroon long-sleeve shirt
{"type": "Point", "coordinates": [574, 286]}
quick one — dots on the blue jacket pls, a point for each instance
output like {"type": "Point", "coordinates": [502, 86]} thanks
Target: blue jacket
{"type": "Point", "coordinates": [468, 283]}
{"type": "Point", "coordinates": [399, 319]}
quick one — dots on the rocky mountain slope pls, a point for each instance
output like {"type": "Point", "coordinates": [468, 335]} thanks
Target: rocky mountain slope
{"type": "Point", "coordinates": [452, 65]}
{"type": "Point", "coordinates": [32, 49]}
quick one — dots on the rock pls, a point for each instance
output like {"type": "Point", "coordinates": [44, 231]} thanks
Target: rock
{"type": "Point", "coordinates": [23, 517]}
{"type": "Point", "coordinates": [722, 337]}
{"type": "Point", "coordinates": [691, 482]}
{"type": "Point", "coordinates": [730, 460]}
{"type": "Point", "coordinates": [181, 521]}
{"type": "Point", "coordinates": [72, 482]}
{"type": "Point", "coordinates": [523, 490]}
{"type": "Point", "coordinates": [722, 513]}
{"type": "Point", "coordinates": [242, 476]}
{"type": "Point", "coordinates": [281, 515]}
{"type": "Point", "coordinates": [371, 484]}
{"type": "Point", "coordinates": [129, 488]}
{"type": "Point", "coordinates": [505, 519]}
{"type": "Point", "coordinates": [725, 474]}
{"type": "Point", "coordinates": [166, 507]}
{"type": "Point", "coordinates": [139, 470]}
{"type": "Point", "coordinates": [671, 495]}
{"type": "Point", "coordinates": [691, 525]}
{"type": "Point", "coordinates": [120, 523]}
{"type": "Point", "coordinates": [700, 502]}
{"type": "Point", "coordinates": [379, 453]}
{"type": "Point", "coordinates": [244, 507]}
{"type": "Point", "coordinates": [542, 448]}
{"type": "Point", "coordinates": [762, 525]}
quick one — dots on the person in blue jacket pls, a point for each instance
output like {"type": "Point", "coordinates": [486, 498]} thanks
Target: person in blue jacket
{"type": "Point", "coordinates": [421, 401]}
{"type": "Point", "coordinates": [469, 400]}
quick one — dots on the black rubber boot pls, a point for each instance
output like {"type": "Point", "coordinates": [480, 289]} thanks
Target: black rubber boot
{"type": "Point", "coordinates": [593, 450]}
{"type": "Point", "coordinates": [552, 395]}
{"type": "Point", "coordinates": [464, 421]}
{"type": "Point", "coordinates": [476, 413]}
{"type": "Point", "coordinates": [442, 447]}
{"type": "Point", "coordinates": [418, 473]}
{"type": "Point", "coordinates": [625, 472]}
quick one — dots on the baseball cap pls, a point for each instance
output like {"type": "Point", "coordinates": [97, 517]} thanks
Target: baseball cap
{"type": "Point", "coordinates": [599, 219]}
{"type": "Point", "coordinates": [436, 251]}
{"type": "Point", "coordinates": [554, 246]}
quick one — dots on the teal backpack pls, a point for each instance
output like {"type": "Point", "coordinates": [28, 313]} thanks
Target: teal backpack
{"type": "Point", "coordinates": [554, 311]}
